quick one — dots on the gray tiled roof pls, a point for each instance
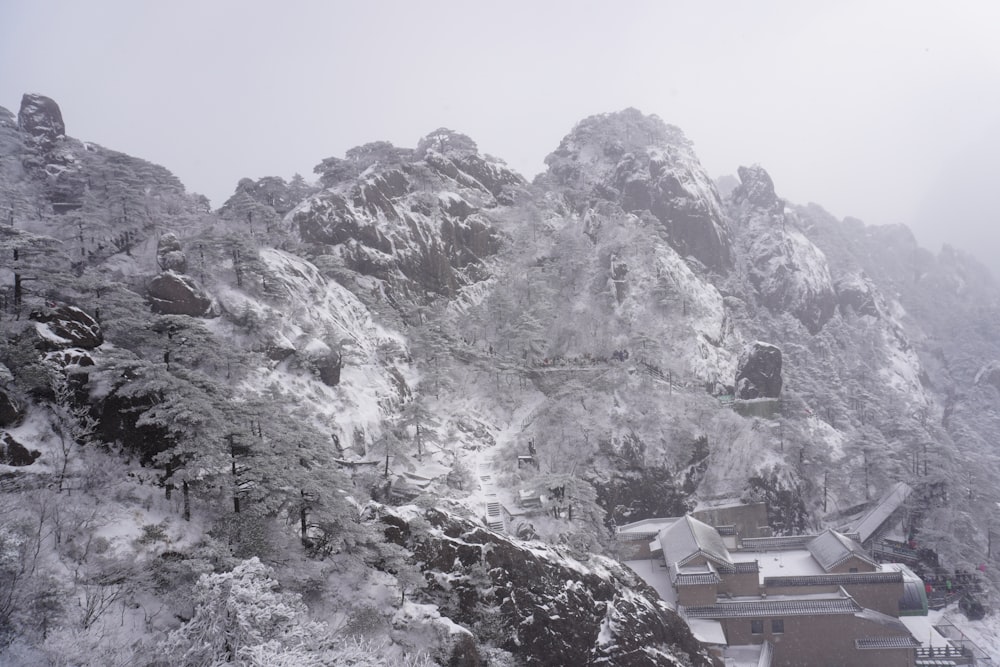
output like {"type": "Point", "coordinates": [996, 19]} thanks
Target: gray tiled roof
{"type": "Point", "coordinates": [688, 538]}
{"type": "Point", "coordinates": [830, 549]}
{"type": "Point", "coordinates": [886, 506]}
{"type": "Point", "coordinates": [696, 579]}
{"type": "Point", "coordinates": [783, 542]}
{"type": "Point", "coordinates": [755, 608]}
{"type": "Point", "coordinates": [900, 641]}
{"type": "Point", "coordinates": [837, 579]}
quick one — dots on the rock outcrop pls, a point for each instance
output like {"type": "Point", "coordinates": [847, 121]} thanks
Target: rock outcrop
{"type": "Point", "coordinates": [756, 189]}
{"type": "Point", "coordinates": [11, 410]}
{"type": "Point", "coordinates": [415, 218]}
{"type": "Point", "coordinates": [758, 374]}
{"type": "Point", "coordinates": [173, 294]}
{"type": "Point", "coordinates": [857, 293]}
{"type": "Point", "coordinates": [788, 272]}
{"type": "Point", "coordinates": [66, 326]}
{"type": "Point", "coordinates": [13, 453]}
{"type": "Point", "coordinates": [41, 118]}
{"type": "Point", "coordinates": [554, 610]}
{"type": "Point", "coordinates": [170, 255]}
{"type": "Point", "coordinates": [643, 164]}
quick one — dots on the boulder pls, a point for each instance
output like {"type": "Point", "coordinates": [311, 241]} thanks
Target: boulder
{"type": "Point", "coordinates": [757, 189]}
{"type": "Point", "coordinates": [169, 254]}
{"type": "Point", "coordinates": [328, 366]}
{"type": "Point", "coordinates": [173, 294]}
{"type": "Point", "coordinates": [758, 372]}
{"type": "Point", "coordinates": [41, 119]}
{"type": "Point", "coordinates": [11, 410]}
{"type": "Point", "coordinates": [66, 326]}
{"type": "Point", "coordinates": [856, 292]}
{"type": "Point", "coordinates": [13, 453]}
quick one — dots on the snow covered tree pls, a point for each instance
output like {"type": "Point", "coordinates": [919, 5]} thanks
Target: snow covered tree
{"type": "Point", "coordinates": [241, 617]}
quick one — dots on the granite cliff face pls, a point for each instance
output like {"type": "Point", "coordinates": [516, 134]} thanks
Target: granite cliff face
{"type": "Point", "coordinates": [642, 164]}
{"type": "Point", "coordinates": [418, 219]}
{"type": "Point", "coordinates": [555, 607]}
{"type": "Point", "coordinates": [789, 273]}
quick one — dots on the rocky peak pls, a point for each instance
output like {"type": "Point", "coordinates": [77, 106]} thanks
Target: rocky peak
{"type": "Point", "coordinates": [758, 373]}
{"type": "Point", "coordinates": [643, 164]}
{"type": "Point", "coordinates": [757, 189]}
{"type": "Point", "coordinates": [410, 216]}
{"type": "Point", "coordinates": [7, 118]}
{"type": "Point", "coordinates": [41, 119]}
{"type": "Point", "coordinates": [269, 191]}
{"type": "Point", "coordinates": [447, 142]}
{"type": "Point", "coordinates": [787, 270]}
{"type": "Point", "coordinates": [169, 254]}
{"type": "Point", "coordinates": [335, 170]}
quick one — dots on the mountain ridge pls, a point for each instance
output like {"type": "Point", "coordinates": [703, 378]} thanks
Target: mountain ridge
{"type": "Point", "coordinates": [428, 312]}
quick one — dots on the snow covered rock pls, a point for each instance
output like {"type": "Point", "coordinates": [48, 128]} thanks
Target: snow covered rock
{"type": "Point", "coordinates": [789, 273]}
{"type": "Point", "coordinates": [169, 254]}
{"type": "Point", "coordinates": [7, 118]}
{"type": "Point", "coordinates": [759, 372]}
{"type": "Point", "coordinates": [456, 156]}
{"type": "Point", "coordinates": [642, 164]}
{"type": "Point", "coordinates": [13, 453]}
{"type": "Point", "coordinates": [856, 292]}
{"type": "Point", "coordinates": [173, 294]}
{"type": "Point", "coordinates": [555, 609]}
{"type": "Point", "coordinates": [41, 119]}
{"type": "Point", "coordinates": [757, 189]}
{"type": "Point", "coordinates": [11, 410]}
{"type": "Point", "coordinates": [415, 218]}
{"type": "Point", "coordinates": [66, 326]}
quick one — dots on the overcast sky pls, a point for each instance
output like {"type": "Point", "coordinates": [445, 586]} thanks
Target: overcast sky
{"type": "Point", "coordinates": [885, 111]}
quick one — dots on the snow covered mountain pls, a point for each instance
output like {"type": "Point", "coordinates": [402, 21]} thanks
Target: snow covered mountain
{"type": "Point", "coordinates": [517, 366]}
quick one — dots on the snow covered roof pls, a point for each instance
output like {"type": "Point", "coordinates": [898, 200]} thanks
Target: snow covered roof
{"type": "Point", "coordinates": [830, 549]}
{"type": "Point", "coordinates": [707, 631]}
{"type": "Point", "coordinates": [869, 524]}
{"type": "Point", "coordinates": [647, 526]}
{"type": "Point", "coordinates": [883, 619]}
{"type": "Point", "coordinates": [689, 538]}
{"type": "Point", "coordinates": [753, 655]}
{"type": "Point", "coordinates": [797, 563]}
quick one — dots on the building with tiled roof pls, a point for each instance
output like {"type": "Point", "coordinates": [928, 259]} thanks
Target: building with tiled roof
{"type": "Point", "coordinates": [783, 601]}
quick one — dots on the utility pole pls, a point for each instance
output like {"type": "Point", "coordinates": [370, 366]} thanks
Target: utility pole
{"type": "Point", "coordinates": [867, 492]}
{"type": "Point", "coordinates": [825, 495]}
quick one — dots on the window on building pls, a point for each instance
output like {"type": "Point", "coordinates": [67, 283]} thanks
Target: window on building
{"type": "Point", "coordinates": [777, 626]}
{"type": "Point", "coordinates": [854, 570]}
{"type": "Point", "coordinates": [757, 627]}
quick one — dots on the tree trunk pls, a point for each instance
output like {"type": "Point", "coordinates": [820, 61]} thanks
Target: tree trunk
{"type": "Point", "coordinates": [187, 501]}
